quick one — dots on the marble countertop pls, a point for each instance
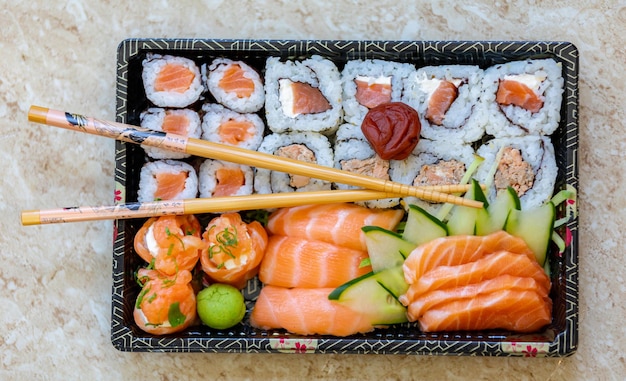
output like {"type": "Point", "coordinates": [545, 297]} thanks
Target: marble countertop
{"type": "Point", "coordinates": [56, 279]}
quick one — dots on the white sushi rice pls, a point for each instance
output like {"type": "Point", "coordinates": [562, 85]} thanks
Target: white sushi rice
{"type": "Point", "coordinates": [215, 115]}
{"type": "Point", "coordinates": [465, 120]}
{"type": "Point", "coordinates": [148, 183]}
{"type": "Point", "coordinates": [153, 64]}
{"type": "Point", "coordinates": [373, 70]}
{"type": "Point", "coordinates": [428, 152]}
{"type": "Point", "coordinates": [315, 71]}
{"type": "Point", "coordinates": [267, 181]}
{"type": "Point", "coordinates": [214, 73]}
{"type": "Point", "coordinates": [506, 121]}
{"type": "Point", "coordinates": [153, 119]}
{"type": "Point", "coordinates": [538, 151]}
{"type": "Point", "coordinates": [208, 180]}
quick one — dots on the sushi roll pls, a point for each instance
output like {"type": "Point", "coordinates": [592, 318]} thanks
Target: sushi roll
{"type": "Point", "coordinates": [447, 98]}
{"type": "Point", "coordinates": [432, 163]}
{"type": "Point", "coordinates": [171, 81]}
{"type": "Point", "coordinates": [525, 163]}
{"type": "Point", "coordinates": [235, 85]}
{"type": "Point", "coordinates": [218, 178]}
{"type": "Point", "coordinates": [369, 83]}
{"type": "Point", "coordinates": [523, 97]}
{"type": "Point", "coordinates": [185, 122]}
{"type": "Point", "coordinates": [304, 146]}
{"type": "Point", "coordinates": [221, 125]}
{"type": "Point", "coordinates": [302, 95]}
{"type": "Point", "coordinates": [167, 180]}
{"type": "Point", "coordinates": [354, 153]}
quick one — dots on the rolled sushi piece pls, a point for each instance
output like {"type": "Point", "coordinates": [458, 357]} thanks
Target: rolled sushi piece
{"type": "Point", "coordinates": [523, 97]}
{"type": "Point", "coordinates": [167, 180]}
{"type": "Point", "coordinates": [219, 178]}
{"type": "Point", "coordinates": [234, 84]}
{"type": "Point", "coordinates": [447, 98]}
{"type": "Point", "coordinates": [302, 96]}
{"type": "Point", "coordinates": [354, 153]}
{"type": "Point", "coordinates": [369, 83]}
{"type": "Point", "coordinates": [171, 81]}
{"type": "Point", "coordinates": [432, 163]}
{"type": "Point", "coordinates": [185, 122]}
{"type": "Point", "coordinates": [525, 163]}
{"type": "Point", "coordinates": [305, 146]}
{"type": "Point", "coordinates": [222, 125]}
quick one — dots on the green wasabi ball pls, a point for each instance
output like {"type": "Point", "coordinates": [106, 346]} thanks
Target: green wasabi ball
{"type": "Point", "coordinates": [221, 306]}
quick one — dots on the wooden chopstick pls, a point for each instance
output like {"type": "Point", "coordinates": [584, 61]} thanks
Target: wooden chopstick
{"type": "Point", "coordinates": [198, 206]}
{"type": "Point", "coordinates": [206, 149]}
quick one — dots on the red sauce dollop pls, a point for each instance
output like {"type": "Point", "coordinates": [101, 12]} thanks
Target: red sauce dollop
{"type": "Point", "coordinates": [393, 130]}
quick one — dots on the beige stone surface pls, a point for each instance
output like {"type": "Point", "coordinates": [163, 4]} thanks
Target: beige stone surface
{"type": "Point", "coordinates": [55, 280]}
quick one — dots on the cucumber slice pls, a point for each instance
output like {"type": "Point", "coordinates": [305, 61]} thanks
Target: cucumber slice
{"type": "Point", "coordinates": [463, 219]}
{"type": "Point", "coordinates": [498, 212]}
{"type": "Point", "coordinates": [366, 295]}
{"type": "Point", "coordinates": [535, 227]}
{"type": "Point", "coordinates": [385, 248]}
{"type": "Point", "coordinates": [422, 226]}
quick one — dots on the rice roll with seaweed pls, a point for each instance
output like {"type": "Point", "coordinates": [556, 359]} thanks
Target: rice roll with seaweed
{"type": "Point", "coordinates": [302, 95]}
{"type": "Point", "coordinates": [167, 180]}
{"type": "Point", "coordinates": [447, 99]}
{"type": "Point", "coordinates": [184, 122]}
{"type": "Point", "coordinates": [309, 147]}
{"type": "Point", "coordinates": [218, 178]}
{"type": "Point", "coordinates": [221, 125]}
{"type": "Point", "coordinates": [235, 85]}
{"type": "Point", "coordinates": [523, 97]}
{"type": "Point", "coordinates": [171, 81]}
{"type": "Point", "coordinates": [525, 163]}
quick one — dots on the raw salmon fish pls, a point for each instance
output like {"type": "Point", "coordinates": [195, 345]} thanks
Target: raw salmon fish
{"type": "Point", "coordinates": [440, 102]}
{"type": "Point", "coordinates": [371, 95]}
{"type": "Point", "coordinates": [169, 185]}
{"type": "Point", "coordinates": [235, 81]}
{"type": "Point", "coordinates": [229, 180]}
{"type": "Point", "coordinates": [511, 92]}
{"type": "Point", "coordinates": [339, 224]}
{"type": "Point", "coordinates": [234, 132]}
{"type": "Point", "coordinates": [298, 262]}
{"type": "Point", "coordinates": [306, 311]}
{"type": "Point", "coordinates": [174, 77]}
{"type": "Point", "coordinates": [306, 98]}
{"type": "Point", "coordinates": [175, 123]}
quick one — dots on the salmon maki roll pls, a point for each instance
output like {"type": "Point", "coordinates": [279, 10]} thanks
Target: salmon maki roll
{"type": "Point", "coordinates": [235, 85]}
{"type": "Point", "coordinates": [171, 81]}
{"type": "Point", "coordinates": [221, 125]}
{"type": "Point", "coordinates": [172, 243]}
{"type": "Point", "coordinates": [234, 249]}
{"type": "Point", "coordinates": [167, 180]}
{"type": "Point", "coordinates": [166, 304]}
{"type": "Point", "coordinates": [306, 311]}
{"type": "Point", "coordinates": [184, 122]}
{"type": "Point", "coordinates": [218, 178]}
{"type": "Point", "coordinates": [298, 262]}
{"type": "Point", "coordinates": [339, 224]}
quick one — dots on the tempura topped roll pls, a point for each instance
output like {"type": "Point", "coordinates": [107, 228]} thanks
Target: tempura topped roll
{"type": "Point", "coordinates": [235, 85]}
{"type": "Point", "coordinates": [185, 122]}
{"type": "Point", "coordinates": [171, 81]}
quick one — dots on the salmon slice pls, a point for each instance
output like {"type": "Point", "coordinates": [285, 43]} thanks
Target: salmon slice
{"type": "Point", "coordinates": [229, 180]}
{"type": "Point", "coordinates": [235, 132]}
{"type": "Point", "coordinates": [169, 185]}
{"type": "Point", "coordinates": [306, 311]}
{"type": "Point", "coordinates": [488, 267]}
{"type": "Point", "coordinates": [458, 250]}
{"type": "Point", "coordinates": [298, 262]}
{"type": "Point", "coordinates": [440, 101]}
{"type": "Point", "coordinates": [308, 99]}
{"type": "Point", "coordinates": [174, 77]}
{"type": "Point", "coordinates": [175, 123]}
{"type": "Point", "coordinates": [514, 310]}
{"type": "Point", "coordinates": [433, 299]}
{"type": "Point", "coordinates": [339, 224]}
{"type": "Point", "coordinates": [235, 81]}
{"type": "Point", "coordinates": [511, 92]}
{"type": "Point", "coordinates": [374, 94]}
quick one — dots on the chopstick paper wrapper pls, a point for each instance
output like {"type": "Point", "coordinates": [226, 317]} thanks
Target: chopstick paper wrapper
{"type": "Point", "coordinates": [206, 149]}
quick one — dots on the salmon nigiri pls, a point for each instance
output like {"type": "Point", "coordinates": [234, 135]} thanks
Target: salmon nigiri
{"type": "Point", "coordinates": [298, 262]}
{"type": "Point", "coordinates": [339, 224]}
{"type": "Point", "coordinates": [306, 311]}
{"type": "Point", "coordinates": [172, 242]}
{"type": "Point", "coordinates": [234, 251]}
{"type": "Point", "coordinates": [166, 304]}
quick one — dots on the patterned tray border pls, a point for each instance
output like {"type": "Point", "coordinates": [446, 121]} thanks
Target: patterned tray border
{"type": "Point", "coordinates": [550, 343]}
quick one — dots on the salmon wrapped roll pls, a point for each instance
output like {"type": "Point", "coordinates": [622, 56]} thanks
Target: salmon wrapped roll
{"type": "Point", "coordinates": [235, 249]}
{"type": "Point", "coordinates": [166, 304]}
{"type": "Point", "coordinates": [174, 243]}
